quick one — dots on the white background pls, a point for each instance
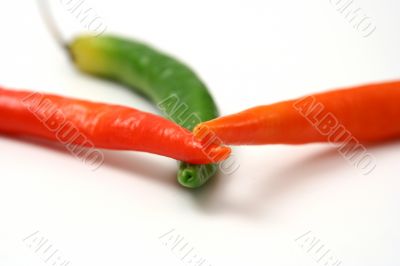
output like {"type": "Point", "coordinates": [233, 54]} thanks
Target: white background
{"type": "Point", "coordinates": [249, 53]}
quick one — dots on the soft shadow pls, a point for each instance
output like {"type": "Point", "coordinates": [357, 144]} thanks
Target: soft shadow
{"type": "Point", "coordinates": [125, 161]}
{"type": "Point", "coordinates": [37, 142]}
{"type": "Point", "coordinates": [211, 199]}
{"type": "Point", "coordinates": [278, 183]}
{"type": "Point", "coordinates": [146, 168]}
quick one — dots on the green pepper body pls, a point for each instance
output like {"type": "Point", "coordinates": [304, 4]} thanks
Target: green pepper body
{"type": "Point", "coordinates": [165, 81]}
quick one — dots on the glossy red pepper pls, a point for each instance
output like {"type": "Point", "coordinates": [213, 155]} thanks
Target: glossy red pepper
{"type": "Point", "coordinates": [102, 125]}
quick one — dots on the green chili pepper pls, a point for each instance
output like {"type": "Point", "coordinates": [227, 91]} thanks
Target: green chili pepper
{"type": "Point", "coordinates": [165, 81]}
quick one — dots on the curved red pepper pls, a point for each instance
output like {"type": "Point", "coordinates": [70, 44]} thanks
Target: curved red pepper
{"type": "Point", "coordinates": [102, 125]}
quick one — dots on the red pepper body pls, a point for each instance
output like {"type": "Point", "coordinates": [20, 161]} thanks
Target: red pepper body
{"type": "Point", "coordinates": [72, 121]}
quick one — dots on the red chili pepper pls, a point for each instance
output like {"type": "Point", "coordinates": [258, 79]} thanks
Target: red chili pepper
{"type": "Point", "coordinates": [105, 126]}
{"type": "Point", "coordinates": [369, 113]}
